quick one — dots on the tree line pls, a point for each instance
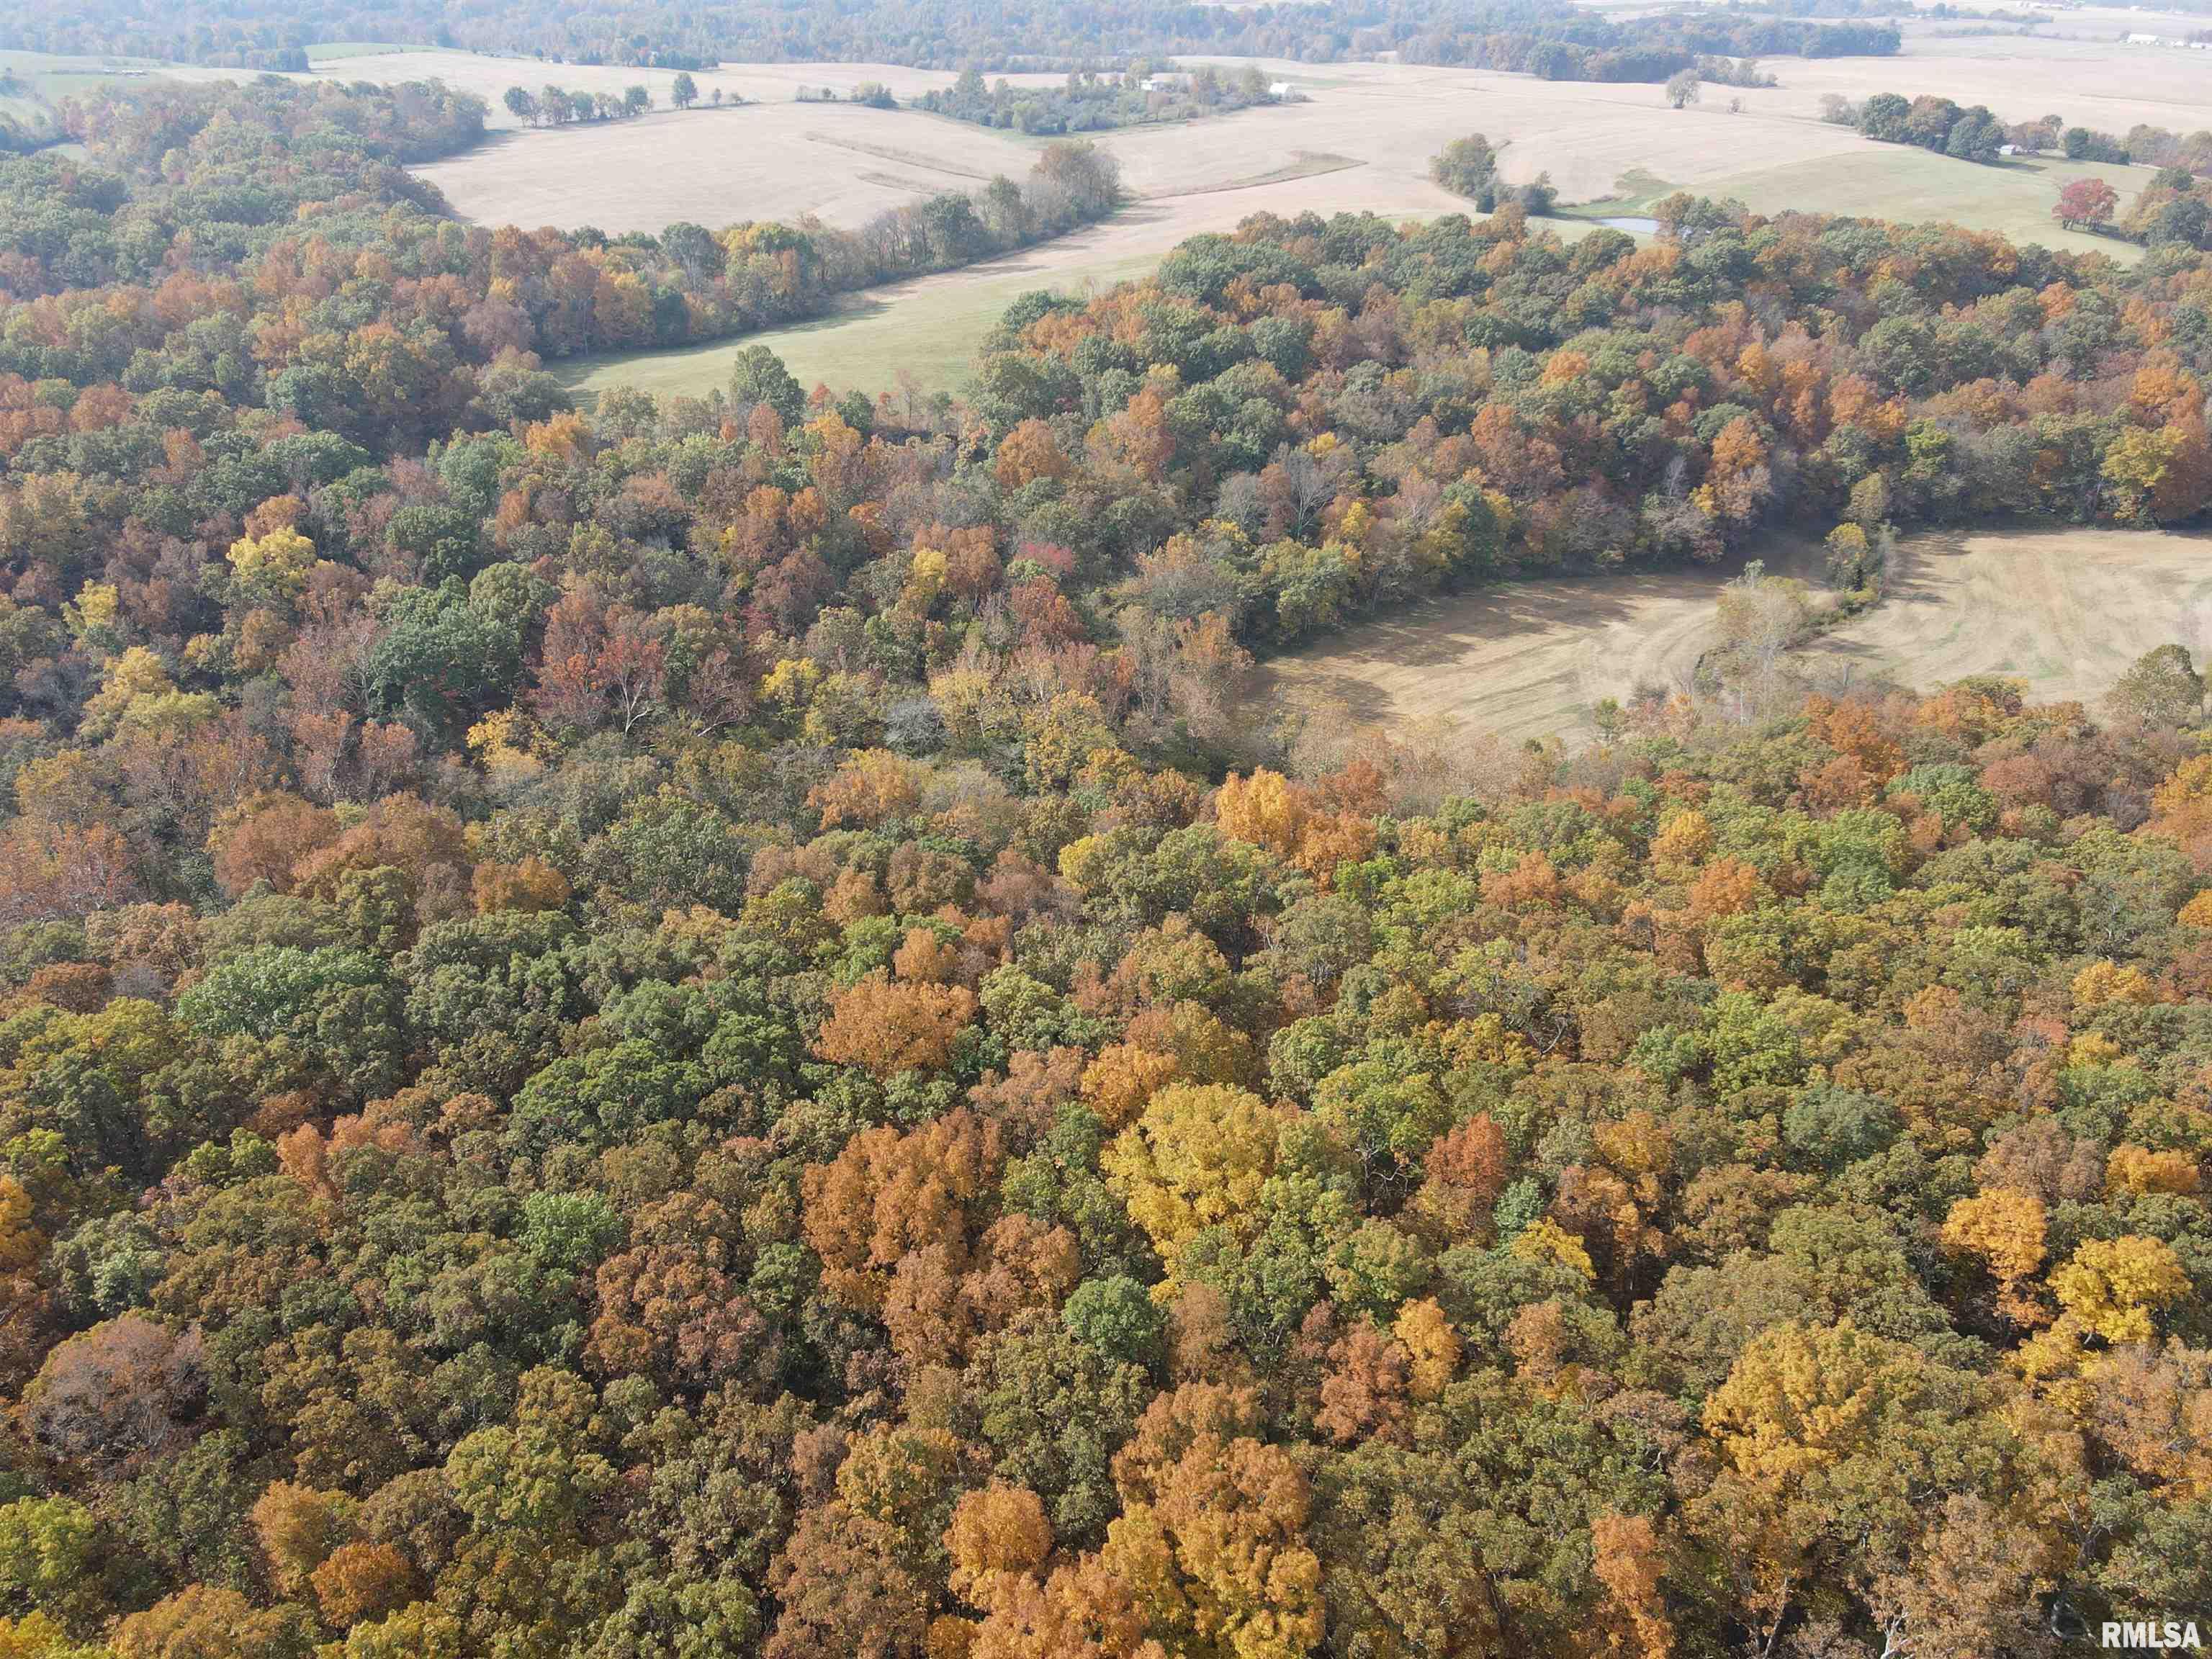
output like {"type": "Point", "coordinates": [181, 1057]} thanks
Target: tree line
{"type": "Point", "coordinates": [1975, 134]}
{"type": "Point", "coordinates": [291, 185]}
{"type": "Point", "coordinates": [2174, 207]}
{"type": "Point", "coordinates": [1095, 102]}
{"type": "Point", "coordinates": [1468, 166]}
{"type": "Point", "coordinates": [1549, 37]}
{"type": "Point", "coordinates": [556, 106]}
{"type": "Point", "coordinates": [1967, 134]}
{"type": "Point", "coordinates": [1529, 37]}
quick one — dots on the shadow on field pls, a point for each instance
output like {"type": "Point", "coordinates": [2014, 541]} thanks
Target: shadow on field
{"type": "Point", "coordinates": [849, 307]}
{"type": "Point", "coordinates": [1439, 629]}
{"type": "Point", "coordinates": [1916, 576]}
{"type": "Point", "coordinates": [1533, 624]}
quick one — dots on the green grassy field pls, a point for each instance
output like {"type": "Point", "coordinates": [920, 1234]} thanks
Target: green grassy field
{"type": "Point", "coordinates": [1633, 192]}
{"type": "Point", "coordinates": [38, 81]}
{"type": "Point", "coordinates": [929, 328]}
{"type": "Point", "coordinates": [1899, 182]}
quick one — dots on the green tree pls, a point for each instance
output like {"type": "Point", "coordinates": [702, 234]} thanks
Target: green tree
{"type": "Point", "coordinates": [2160, 687]}
{"type": "Point", "coordinates": [287, 1018]}
{"type": "Point", "coordinates": [1468, 166]}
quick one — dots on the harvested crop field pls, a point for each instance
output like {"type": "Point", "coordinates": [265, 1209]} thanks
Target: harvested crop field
{"type": "Point", "coordinates": [1371, 128]}
{"type": "Point", "coordinates": [490, 77]}
{"type": "Point", "coordinates": [1360, 139]}
{"type": "Point", "coordinates": [2066, 610]}
{"type": "Point", "coordinates": [843, 163]}
{"type": "Point", "coordinates": [1384, 119]}
{"type": "Point", "coordinates": [1524, 659]}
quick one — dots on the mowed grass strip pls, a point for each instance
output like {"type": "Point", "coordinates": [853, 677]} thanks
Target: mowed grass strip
{"type": "Point", "coordinates": [928, 329]}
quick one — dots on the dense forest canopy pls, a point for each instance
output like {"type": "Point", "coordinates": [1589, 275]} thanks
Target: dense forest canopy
{"type": "Point", "coordinates": [702, 1029]}
{"type": "Point", "coordinates": [1567, 41]}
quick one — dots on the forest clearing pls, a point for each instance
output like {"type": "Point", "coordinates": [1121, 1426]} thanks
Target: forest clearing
{"type": "Point", "coordinates": [1357, 139]}
{"type": "Point", "coordinates": [929, 327]}
{"type": "Point", "coordinates": [1374, 125]}
{"type": "Point", "coordinates": [2066, 610]}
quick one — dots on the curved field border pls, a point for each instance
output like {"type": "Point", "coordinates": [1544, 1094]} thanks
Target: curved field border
{"type": "Point", "coordinates": [2066, 610]}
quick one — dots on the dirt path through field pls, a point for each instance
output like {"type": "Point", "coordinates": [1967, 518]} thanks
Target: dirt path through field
{"type": "Point", "coordinates": [2066, 610]}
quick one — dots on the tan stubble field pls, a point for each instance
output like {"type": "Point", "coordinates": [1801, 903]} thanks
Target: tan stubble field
{"type": "Point", "coordinates": [2066, 610]}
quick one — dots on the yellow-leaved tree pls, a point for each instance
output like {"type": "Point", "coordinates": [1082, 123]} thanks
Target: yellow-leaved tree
{"type": "Point", "coordinates": [1196, 1157]}
{"type": "Point", "coordinates": [2113, 1286]}
{"type": "Point", "coordinates": [2005, 1228]}
{"type": "Point", "coordinates": [1210, 1537]}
